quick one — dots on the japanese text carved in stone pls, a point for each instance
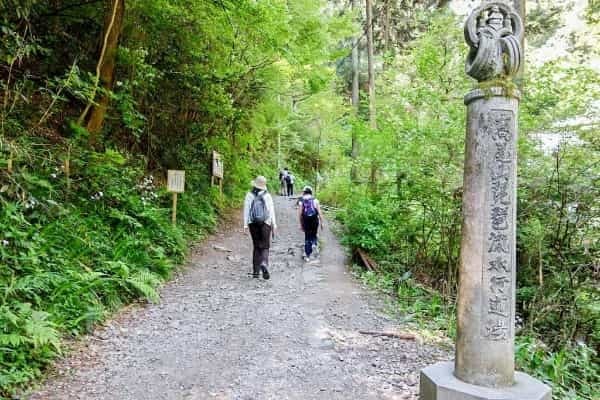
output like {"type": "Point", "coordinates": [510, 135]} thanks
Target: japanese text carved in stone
{"type": "Point", "coordinates": [496, 130]}
{"type": "Point", "coordinates": [494, 32]}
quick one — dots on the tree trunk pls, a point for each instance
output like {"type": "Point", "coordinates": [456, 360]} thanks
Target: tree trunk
{"type": "Point", "coordinates": [387, 22]}
{"type": "Point", "coordinates": [113, 23]}
{"type": "Point", "coordinates": [355, 100]}
{"type": "Point", "coordinates": [372, 115]}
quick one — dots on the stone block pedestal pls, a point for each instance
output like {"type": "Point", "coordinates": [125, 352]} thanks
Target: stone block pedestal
{"type": "Point", "coordinates": [439, 383]}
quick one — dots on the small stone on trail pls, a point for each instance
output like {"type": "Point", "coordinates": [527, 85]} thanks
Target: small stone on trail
{"type": "Point", "coordinates": [221, 248]}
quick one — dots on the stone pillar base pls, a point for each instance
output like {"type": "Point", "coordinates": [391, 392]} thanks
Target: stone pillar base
{"type": "Point", "coordinates": [439, 383]}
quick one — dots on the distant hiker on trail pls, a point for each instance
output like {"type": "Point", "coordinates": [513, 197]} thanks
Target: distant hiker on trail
{"type": "Point", "coordinates": [283, 185]}
{"type": "Point", "coordinates": [309, 214]}
{"type": "Point", "coordinates": [289, 180]}
{"type": "Point", "coordinates": [259, 217]}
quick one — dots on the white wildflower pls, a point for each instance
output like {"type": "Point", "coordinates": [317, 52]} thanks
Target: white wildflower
{"type": "Point", "coordinates": [97, 196]}
{"type": "Point", "coordinates": [31, 203]}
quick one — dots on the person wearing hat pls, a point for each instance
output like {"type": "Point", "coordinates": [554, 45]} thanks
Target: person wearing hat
{"type": "Point", "coordinates": [310, 216]}
{"type": "Point", "coordinates": [282, 182]}
{"type": "Point", "coordinates": [259, 218]}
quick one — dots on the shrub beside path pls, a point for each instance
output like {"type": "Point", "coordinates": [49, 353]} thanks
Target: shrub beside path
{"type": "Point", "coordinates": [219, 334]}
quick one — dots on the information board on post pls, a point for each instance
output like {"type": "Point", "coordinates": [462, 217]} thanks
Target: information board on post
{"type": "Point", "coordinates": [217, 166]}
{"type": "Point", "coordinates": [175, 185]}
{"type": "Point", "coordinates": [175, 181]}
{"type": "Point", "coordinates": [217, 170]}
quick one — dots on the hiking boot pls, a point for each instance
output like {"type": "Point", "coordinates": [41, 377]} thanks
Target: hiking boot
{"type": "Point", "coordinates": [255, 272]}
{"type": "Point", "coordinates": [265, 272]}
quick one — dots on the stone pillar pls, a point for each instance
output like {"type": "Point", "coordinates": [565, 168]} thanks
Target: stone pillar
{"type": "Point", "coordinates": [484, 366]}
{"type": "Point", "coordinates": [486, 297]}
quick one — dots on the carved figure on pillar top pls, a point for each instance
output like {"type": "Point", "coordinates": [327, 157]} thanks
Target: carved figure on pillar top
{"type": "Point", "coordinates": [494, 32]}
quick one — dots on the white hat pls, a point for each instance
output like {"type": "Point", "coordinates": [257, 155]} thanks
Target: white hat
{"type": "Point", "coordinates": [260, 182]}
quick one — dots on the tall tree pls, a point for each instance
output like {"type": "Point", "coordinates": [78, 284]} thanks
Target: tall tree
{"type": "Point", "coordinates": [371, 66]}
{"type": "Point", "coordinates": [387, 22]}
{"type": "Point", "coordinates": [105, 69]}
{"type": "Point", "coordinates": [355, 99]}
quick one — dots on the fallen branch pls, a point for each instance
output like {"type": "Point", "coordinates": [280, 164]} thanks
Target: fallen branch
{"type": "Point", "coordinates": [397, 335]}
{"type": "Point", "coordinates": [367, 261]}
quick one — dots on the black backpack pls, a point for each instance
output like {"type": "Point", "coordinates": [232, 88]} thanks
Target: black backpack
{"type": "Point", "coordinates": [259, 213]}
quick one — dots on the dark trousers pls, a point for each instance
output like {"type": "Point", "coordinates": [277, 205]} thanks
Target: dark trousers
{"type": "Point", "coordinates": [261, 241]}
{"type": "Point", "coordinates": [311, 227]}
{"type": "Point", "coordinates": [290, 189]}
{"type": "Point", "coordinates": [283, 189]}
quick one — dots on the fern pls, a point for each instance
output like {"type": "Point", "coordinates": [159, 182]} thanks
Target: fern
{"type": "Point", "coordinates": [145, 283]}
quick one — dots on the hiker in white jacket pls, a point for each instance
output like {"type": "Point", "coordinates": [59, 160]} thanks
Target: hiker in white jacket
{"type": "Point", "coordinates": [259, 218]}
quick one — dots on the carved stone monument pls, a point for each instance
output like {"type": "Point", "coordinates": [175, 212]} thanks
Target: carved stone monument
{"type": "Point", "coordinates": [484, 366]}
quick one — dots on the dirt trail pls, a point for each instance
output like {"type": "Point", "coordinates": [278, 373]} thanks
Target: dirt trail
{"type": "Point", "coordinates": [219, 334]}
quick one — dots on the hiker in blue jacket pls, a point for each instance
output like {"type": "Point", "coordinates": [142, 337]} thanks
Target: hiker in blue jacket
{"type": "Point", "coordinates": [259, 217]}
{"type": "Point", "coordinates": [310, 216]}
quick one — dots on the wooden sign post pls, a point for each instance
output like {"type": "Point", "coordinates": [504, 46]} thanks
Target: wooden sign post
{"type": "Point", "coordinates": [175, 184]}
{"type": "Point", "coordinates": [217, 171]}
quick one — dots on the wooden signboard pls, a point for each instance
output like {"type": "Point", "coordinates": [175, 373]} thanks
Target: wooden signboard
{"type": "Point", "coordinates": [175, 184]}
{"type": "Point", "coordinates": [175, 181]}
{"type": "Point", "coordinates": [217, 170]}
{"type": "Point", "coordinates": [217, 166]}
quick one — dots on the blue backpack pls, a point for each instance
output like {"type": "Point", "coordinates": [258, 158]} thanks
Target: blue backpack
{"type": "Point", "coordinates": [308, 207]}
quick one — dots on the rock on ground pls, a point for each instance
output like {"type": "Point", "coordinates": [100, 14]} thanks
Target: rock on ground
{"type": "Point", "coordinates": [219, 334]}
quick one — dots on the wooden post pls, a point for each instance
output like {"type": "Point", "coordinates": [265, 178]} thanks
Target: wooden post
{"type": "Point", "coordinates": [175, 184]}
{"type": "Point", "coordinates": [67, 166]}
{"type": "Point", "coordinates": [174, 215]}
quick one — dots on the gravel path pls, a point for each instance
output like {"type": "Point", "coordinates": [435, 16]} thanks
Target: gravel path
{"type": "Point", "coordinates": [219, 334]}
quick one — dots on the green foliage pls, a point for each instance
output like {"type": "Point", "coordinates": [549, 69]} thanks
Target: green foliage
{"type": "Point", "coordinates": [571, 370]}
{"type": "Point", "coordinates": [368, 226]}
{"type": "Point", "coordinates": [542, 23]}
